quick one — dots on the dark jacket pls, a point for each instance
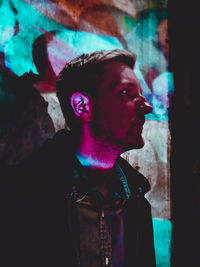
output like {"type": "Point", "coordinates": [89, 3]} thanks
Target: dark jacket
{"type": "Point", "coordinates": [40, 220]}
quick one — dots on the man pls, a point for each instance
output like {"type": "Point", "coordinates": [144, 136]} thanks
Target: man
{"type": "Point", "coordinates": [81, 204]}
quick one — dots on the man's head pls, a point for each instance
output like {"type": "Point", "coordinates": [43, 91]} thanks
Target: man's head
{"type": "Point", "coordinates": [100, 90]}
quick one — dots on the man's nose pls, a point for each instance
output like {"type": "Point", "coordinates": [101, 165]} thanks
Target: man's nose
{"type": "Point", "coordinates": [144, 106]}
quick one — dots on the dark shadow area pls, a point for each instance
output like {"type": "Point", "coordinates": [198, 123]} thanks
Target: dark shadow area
{"type": "Point", "coordinates": [24, 121]}
{"type": "Point", "coordinates": [184, 29]}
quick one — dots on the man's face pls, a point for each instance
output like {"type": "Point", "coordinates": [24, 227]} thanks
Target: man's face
{"type": "Point", "coordinates": [119, 110]}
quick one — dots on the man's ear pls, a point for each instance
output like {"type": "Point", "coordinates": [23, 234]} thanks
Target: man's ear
{"type": "Point", "coordinates": [81, 105]}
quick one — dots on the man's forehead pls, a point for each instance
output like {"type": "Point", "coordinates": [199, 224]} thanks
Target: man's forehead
{"type": "Point", "coordinates": [116, 72]}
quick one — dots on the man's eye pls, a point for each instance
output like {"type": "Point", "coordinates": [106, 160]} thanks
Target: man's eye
{"type": "Point", "coordinates": [128, 93]}
{"type": "Point", "coordinates": [125, 91]}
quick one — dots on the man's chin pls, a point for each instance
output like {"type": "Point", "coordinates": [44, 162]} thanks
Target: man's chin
{"type": "Point", "coordinates": [134, 145]}
{"type": "Point", "coordinates": [138, 145]}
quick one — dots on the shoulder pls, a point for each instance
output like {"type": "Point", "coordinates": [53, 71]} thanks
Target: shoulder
{"type": "Point", "coordinates": [136, 181]}
{"type": "Point", "coordinates": [46, 164]}
{"type": "Point", "coordinates": [52, 150]}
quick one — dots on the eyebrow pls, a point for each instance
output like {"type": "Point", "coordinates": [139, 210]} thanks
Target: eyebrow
{"type": "Point", "coordinates": [129, 84]}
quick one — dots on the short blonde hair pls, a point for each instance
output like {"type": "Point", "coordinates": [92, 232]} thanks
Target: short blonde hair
{"type": "Point", "coordinates": [83, 74]}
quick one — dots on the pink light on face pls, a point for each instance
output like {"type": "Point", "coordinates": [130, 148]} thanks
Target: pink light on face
{"type": "Point", "coordinates": [112, 123]}
{"type": "Point", "coordinates": [121, 107]}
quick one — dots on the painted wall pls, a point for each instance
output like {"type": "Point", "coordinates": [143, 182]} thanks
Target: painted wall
{"type": "Point", "coordinates": [37, 38]}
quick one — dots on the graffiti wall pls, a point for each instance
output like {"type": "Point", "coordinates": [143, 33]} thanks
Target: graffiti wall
{"type": "Point", "coordinates": [37, 38]}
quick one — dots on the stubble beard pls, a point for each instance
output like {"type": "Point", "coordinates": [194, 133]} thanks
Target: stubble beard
{"type": "Point", "coordinates": [109, 138]}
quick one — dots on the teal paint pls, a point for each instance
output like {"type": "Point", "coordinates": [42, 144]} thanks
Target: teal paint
{"type": "Point", "coordinates": [130, 23]}
{"type": "Point", "coordinates": [31, 25]}
{"type": "Point", "coordinates": [141, 38]}
{"type": "Point", "coordinates": [85, 42]}
{"type": "Point", "coordinates": [152, 64]}
{"type": "Point", "coordinates": [163, 241]}
{"type": "Point", "coordinates": [7, 23]}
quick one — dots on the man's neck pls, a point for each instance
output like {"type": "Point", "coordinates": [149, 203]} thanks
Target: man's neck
{"type": "Point", "coordinates": [97, 154]}
{"type": "Point", "coordinates": [99, 159]}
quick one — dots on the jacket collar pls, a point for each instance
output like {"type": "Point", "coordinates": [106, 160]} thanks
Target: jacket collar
{"type": "Point", "coordinates": [137, 183]}
{"type": "Point", "coordinates": [84, 186]}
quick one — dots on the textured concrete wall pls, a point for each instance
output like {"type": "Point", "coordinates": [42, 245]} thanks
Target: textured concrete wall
{"type": "Point", "coordinates": [153, 161]}
{"type": "Point", "coordinates": [37, 38]}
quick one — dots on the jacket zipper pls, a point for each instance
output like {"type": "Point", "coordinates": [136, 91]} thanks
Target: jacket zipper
{"type": "Point", "coordinates": [103, 215]}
